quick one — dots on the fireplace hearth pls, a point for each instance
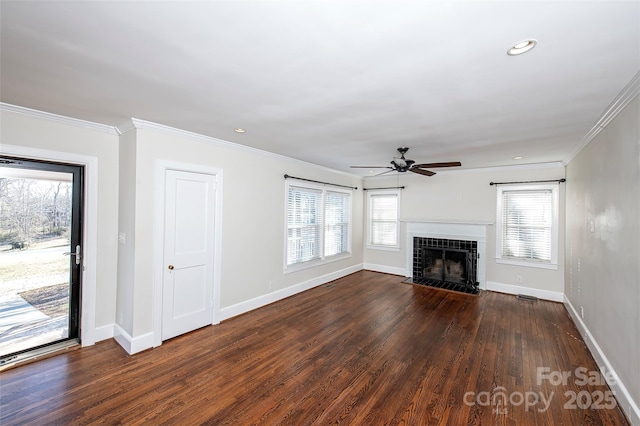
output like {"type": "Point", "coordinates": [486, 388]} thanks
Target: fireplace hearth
{"type": "Point", "coordinates": [446, 263]}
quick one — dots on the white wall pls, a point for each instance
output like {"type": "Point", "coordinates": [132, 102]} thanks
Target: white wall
{"type": "Point", "coordinates": [603, 266]}
{"type": "Point", "coordinates": [126, 230]}
{"type": "Point", "coordinates": [253, 220]}
{"type": "Point", "coordinates": [467, 196]}
{"type": "Point", "coordinates": [43, 132]}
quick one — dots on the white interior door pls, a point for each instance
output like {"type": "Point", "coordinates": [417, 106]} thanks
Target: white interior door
{"type": "Point", "coordinates": [187, 293]}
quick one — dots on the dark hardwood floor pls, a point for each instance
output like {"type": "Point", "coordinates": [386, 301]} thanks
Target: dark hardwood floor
{"type": "Point", "coordinates": [366, 349]}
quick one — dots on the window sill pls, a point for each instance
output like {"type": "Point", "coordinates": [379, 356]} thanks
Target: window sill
{"type": "Point", "coordinates": [313, 263]}
{"type": "Point", "coordinates": [527, 264]}
{"type": "Point", "coordinates": [383, 248]}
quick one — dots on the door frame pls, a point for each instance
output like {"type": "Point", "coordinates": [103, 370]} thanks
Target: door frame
{"type": "Point", "coordinates": [88, 335]}
{"type": "Point", "coordinates": [162, 167]}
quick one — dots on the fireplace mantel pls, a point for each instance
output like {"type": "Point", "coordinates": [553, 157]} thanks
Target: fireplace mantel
{"type": "Point", "coordinates": [448, 221]}
{"type": "Point", "coordinates": [450, 229]}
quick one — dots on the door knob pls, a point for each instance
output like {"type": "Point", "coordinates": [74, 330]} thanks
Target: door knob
{"type": "Point", "coordinates": [171, 267]}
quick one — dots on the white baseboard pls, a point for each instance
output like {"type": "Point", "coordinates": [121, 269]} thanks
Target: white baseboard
{"type": "Point", "coordinates": [625, 401]}
{"type": "Point", "coordinates": [257, 302]}
{"type": "Point", "coordinates": [385, 269]}
{"type": "Point", "coordinates": [132, 345]}
{"type": "Point", "coordinates": [554, 296]}
{"type": "Point", "coordinates": [103, 333]}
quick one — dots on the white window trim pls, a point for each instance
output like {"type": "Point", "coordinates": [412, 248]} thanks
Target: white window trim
{"type": "Point", "coordinates": [323, 260]}
{"type": "Point", "coordinates": [369, 244]}
{"type": "Point", "coordinates": [553, 262]}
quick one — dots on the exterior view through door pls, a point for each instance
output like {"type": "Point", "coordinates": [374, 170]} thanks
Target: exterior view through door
{"type": "Point", "coordinates": [188, 279]}
{"type": "Point", "coordinates": [40, 254]}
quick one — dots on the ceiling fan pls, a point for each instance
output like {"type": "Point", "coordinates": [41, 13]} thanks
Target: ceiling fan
{"type": "Point", "coordinates": [402, 165]}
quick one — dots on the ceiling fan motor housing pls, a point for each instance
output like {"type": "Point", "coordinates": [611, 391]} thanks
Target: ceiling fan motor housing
{"type": "Point", "coordinates": [402, 164]}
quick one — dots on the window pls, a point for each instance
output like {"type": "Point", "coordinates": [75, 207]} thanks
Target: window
{"type": "Point", "coordinates": [338, 222]}
{"type": "Point", "coordinates": [383, 225]}
{"type": "Point", "coordinates": [318, 223]}
{"type": "Point", "coordinates": [527, 226]}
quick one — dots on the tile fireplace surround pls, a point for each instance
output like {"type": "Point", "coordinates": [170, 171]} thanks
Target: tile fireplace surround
{"type": "Point", "coordinates": [451, 230]}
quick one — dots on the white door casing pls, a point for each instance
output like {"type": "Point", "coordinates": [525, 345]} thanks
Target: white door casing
{"type": "Point", "coordinates": [89, 334]}
{"type": "Point", "coordinates": [187, 250]}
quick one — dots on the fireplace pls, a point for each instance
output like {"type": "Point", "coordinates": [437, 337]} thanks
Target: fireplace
{"type": "Point", "coordinates": [446, 263]}
{"type": "Point", "coordinates": [447, 254]}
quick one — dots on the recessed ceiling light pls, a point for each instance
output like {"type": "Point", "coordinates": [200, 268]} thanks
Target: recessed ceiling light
{"type": "Point", "coordinates": [517, 157]}
{"type": "Point", "coordinates": [522, 47]}
{"type": "Point", "coordinates": [239, 130]}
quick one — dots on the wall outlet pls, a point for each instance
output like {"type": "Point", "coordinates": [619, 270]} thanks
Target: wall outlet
{"type": "Point", "coordinates": [270, 285]}
{"type": "Point", "coordinates": [121, 237]}
{"type": "Point", "coordinates": [581, 312]}
{"type": "Point", "coordinates": [519, 279]}
{"type": "Point", "coordinates": [592, 226]}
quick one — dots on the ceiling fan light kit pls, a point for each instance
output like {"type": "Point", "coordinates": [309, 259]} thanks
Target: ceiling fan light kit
{"type": "Point", "coordinates": [402, 165]}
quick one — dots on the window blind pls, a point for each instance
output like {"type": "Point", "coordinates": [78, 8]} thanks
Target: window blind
{"type": "Point", "coordinates": [304, 224]}
{"type": "Point", "coordinates": [527, 224]}
{"type": "Point", "coordinates": [337, 218]}
{"type": "Point", "coordinates": [384, 219]}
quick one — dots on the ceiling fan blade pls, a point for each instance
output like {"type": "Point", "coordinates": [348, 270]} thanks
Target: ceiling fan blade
{"type": "Point", "coordinates": [422, 171]}
{"type": "Point", "coordinates": [371, 167]}
{"type": "Point", "coordinates": [384, 173]}
{"type": "Point", "coordinates": [432, 165]}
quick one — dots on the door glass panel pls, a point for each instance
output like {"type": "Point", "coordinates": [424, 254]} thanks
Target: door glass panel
{"type": "Point", "coordinates": [35, 233]}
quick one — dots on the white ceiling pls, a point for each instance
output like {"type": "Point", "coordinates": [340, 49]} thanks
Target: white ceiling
{"type": "Point", "coordinates": [335, 83]}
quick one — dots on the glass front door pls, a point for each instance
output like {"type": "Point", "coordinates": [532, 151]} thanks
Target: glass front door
{"type": "Point", "coordinates": [40, 254]}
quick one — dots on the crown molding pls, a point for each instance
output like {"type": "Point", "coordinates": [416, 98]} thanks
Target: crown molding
{"type": "Point", "coordinates": [136, 123]}
{"type": "Point", "coordinates": [59, 118]}
{"type": "Point", "coordinates": [630, 91]}
{"type": "Point", "coordinates": [125, 127]}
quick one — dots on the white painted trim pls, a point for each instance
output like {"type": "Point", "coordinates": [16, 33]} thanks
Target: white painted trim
{"type": "Point", "coordinates": [104, 332]}
{"type": "Point", "coordinates": [297, 267]}
{"type": "Point", "coordinates": [260, 301]}
{"type": "Point", "coordinates": [132, 345]}
{"type": "Point", "coordinates": [393, 270]}
{"type": "Point", "coordinates": [555, 225]}
{"type": "Point", "coordinates": [104, 128]}
{"type": "Point", "coordinates": [624, 398]}
{"type": "Point", "coordinates": [125, 127]}
{"type": "Point", "coordinates": [525, 264]}
{"type": "Point", "coordinates": [554, 296]}
{"type": "Point", "coordinates": [382, 248]}
{"type": "Point", "coordinates": [161, 168]}
{"type": "Point", "coordinates": [370, 194]}
{"type": "Point", "coordinates": [90, 230]}
{"type": "Point", "coordinates": [626, 95]}
{"type": "Point", "coordinates": [449, 221]}
{"type": "Point", "coordinates": [322, 260]}
{"type": "Point", "coordinates": [168, 130]}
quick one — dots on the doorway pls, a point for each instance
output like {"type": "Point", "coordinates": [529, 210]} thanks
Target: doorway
{"type": "Point", "coordinates": [41, 215]}
{"type": "Point", "coordinates": [188, 248]}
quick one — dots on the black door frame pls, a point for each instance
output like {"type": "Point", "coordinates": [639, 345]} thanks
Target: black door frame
{"type": "Point", "coordinates": [77, 220]}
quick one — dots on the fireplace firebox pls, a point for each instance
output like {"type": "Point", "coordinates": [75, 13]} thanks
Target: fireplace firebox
{"type": "Point", "coordinates": [444, 263]}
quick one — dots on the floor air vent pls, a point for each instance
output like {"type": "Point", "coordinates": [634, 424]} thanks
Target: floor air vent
{"type": "Point", "coordinates": [527, 298]}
